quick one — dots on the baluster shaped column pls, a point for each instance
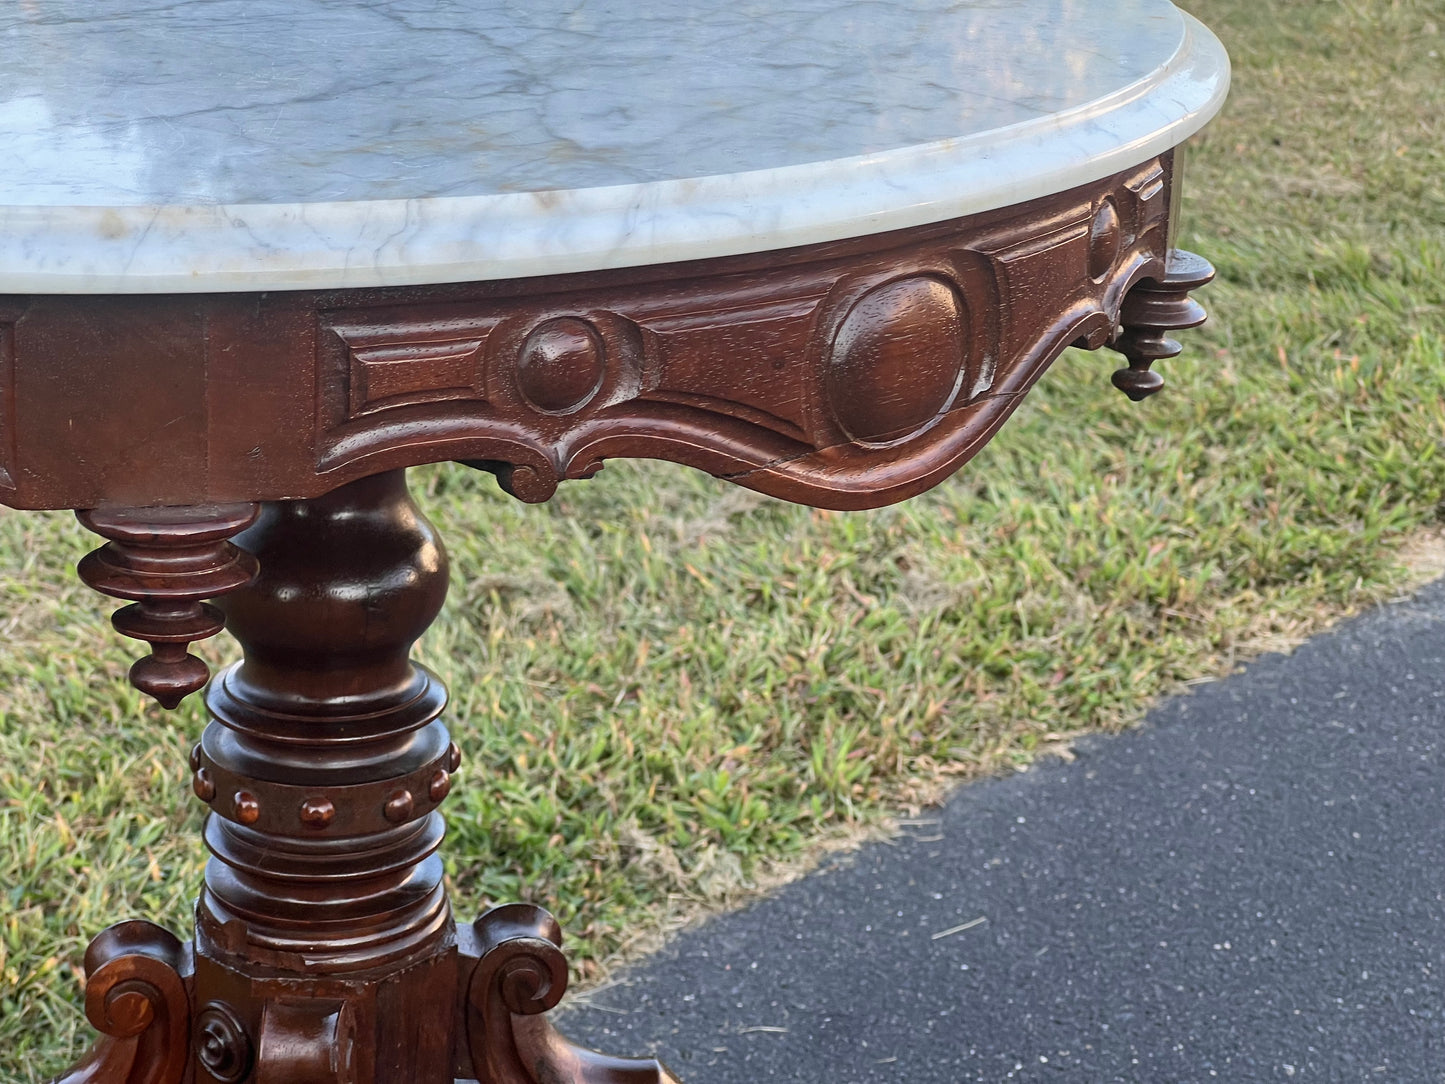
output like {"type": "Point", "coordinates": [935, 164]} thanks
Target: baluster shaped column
{"type": "Point", "coordinates": [324, 942]}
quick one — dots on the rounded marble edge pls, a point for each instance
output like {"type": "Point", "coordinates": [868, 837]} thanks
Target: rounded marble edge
{"type": "Point", "coordinates": [255, 247]}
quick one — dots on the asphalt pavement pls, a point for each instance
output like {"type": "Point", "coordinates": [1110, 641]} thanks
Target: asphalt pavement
{"type": "Point", "coordinates": [1246, 888]}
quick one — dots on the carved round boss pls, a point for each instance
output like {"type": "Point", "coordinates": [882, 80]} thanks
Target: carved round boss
{"type": "Point", "coordinates": [561, 365]}
{"type": "Point", "coordinates": [897, 359]}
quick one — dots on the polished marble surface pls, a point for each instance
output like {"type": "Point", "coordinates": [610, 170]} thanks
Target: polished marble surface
{"type": "Point", "coordinates": [253, 144]}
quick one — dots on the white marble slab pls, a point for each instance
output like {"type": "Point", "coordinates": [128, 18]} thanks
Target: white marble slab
{"type": "Point", "coordinates": [190, 145]}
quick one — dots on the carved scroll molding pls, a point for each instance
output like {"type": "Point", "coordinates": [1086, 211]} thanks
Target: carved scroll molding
{"type": "Point", "coordinates": [518, 973]}
{"type": "Point", "coordinates": [843, 376]}
{"type": "Point", "coordinates": [167, 561]}
{"type": "Point", "coordinates": [136, 996]}
{"type": "Point", "coordinates": [849, 374]}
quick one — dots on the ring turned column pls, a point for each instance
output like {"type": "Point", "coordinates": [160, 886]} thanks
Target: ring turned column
{"type": "Point", "coordinates": [324, 949]}
{"type": "Point", "coordinates": [324, 943]}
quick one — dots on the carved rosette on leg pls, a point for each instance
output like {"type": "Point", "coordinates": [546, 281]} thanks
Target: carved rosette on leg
{"type": "Point", "coordinates": [167, 562]}
{"type": "Point", "coordinates": [1152, 309]}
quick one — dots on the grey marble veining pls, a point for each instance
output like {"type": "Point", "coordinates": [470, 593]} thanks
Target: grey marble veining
{"type": "Point", "coordinates": [295, 140]}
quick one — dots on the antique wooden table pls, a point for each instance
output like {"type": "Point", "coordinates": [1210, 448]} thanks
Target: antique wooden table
{"type": "Point", "coordinates": [257, 257]}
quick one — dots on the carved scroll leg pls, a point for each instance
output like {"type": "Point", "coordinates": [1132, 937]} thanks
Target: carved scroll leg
{"type": "Point", "coordinates": [549, 1055]}
{"type": "Point", "coordinates": [136, 996]}
{"type": "Point", "coordinates": [519, 974]}
{"type": "Point", "coordinates": [1153, 308]}
{"type": "Point", "coordinates": [166, 561]}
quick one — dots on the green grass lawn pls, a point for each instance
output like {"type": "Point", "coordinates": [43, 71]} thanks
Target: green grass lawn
{"type": "Point", "coordinates": [668, 688]}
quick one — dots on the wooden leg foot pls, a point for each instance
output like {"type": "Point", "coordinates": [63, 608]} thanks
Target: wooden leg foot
{"type": "Point", "coordinates": [549, 1055]}
{"type": "Point", "coordinates": [517, 973]}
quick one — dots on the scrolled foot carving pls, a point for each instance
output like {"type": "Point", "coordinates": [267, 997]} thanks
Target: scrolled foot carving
{"type": "Point", "coordinates": [136, 996]}
{"type": "Point", "coordinates": [1153, 308]}
{"type": "Point", "coordinates": [167, 561]}
{"type": "Point", "coordinates": [519, 974]}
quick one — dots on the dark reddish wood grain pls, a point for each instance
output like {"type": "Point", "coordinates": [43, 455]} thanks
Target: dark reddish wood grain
{"type": "Point", "coordinates": [324, 949]}
{"type": "Point", "coordinates": [846, 375]}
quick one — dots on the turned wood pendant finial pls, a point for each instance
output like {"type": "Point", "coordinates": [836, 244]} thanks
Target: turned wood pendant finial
{"type": "Point", "coordinates": [167, 562]}
{"type": "Point", "coordinates": [1152, 309]}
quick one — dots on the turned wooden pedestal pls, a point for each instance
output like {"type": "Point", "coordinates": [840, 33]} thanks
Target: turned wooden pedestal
{"type": "Point", "coordinates": [325, 949]}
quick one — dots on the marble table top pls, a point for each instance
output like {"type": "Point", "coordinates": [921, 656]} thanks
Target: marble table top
{"type": "Point", "coordinates": [166, 146]}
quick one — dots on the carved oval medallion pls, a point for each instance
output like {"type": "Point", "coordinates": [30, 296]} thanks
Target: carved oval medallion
{"type": "Point", "coordinates": [561, 365]}
{"type": "Point", "coordinates": [1104, 240]}
{"type": "Point", "coordinates": [897, 358]}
